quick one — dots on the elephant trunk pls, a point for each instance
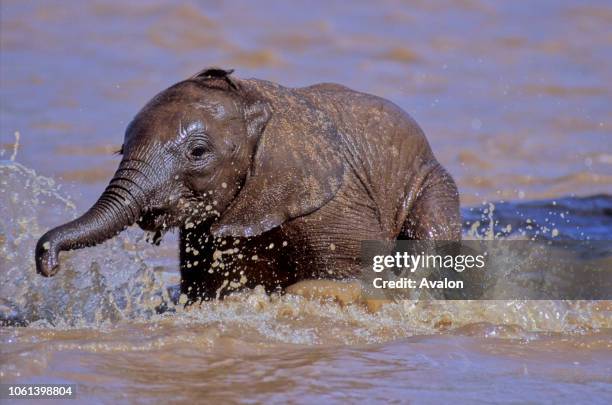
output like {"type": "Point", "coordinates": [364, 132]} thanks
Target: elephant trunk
{"type": "Point", "coordinates": [119, 206]}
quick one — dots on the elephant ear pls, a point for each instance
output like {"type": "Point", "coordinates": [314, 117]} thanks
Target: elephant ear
{"type": "Point", "coordinates": [296, 169]}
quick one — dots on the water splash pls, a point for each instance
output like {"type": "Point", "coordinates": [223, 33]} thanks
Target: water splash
{"type": "Point", "coordinates": [576, 218]}
{"type": "Point", "coordinates": [111, 284]}
{"type": "Point", "coordinates": [93, 288]}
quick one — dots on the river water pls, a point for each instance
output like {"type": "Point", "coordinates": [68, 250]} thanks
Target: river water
{"type": "Point", "coordinates": [513, 96]}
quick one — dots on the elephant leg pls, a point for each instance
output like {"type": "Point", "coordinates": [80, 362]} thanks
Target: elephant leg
{"type": "Point", "coordinates": [344, 292]}
{"type": "Point", "coordinates": [435, 213]}
{"type": "Point", "coordinates": [213, 268]}
{"type": "Point", "coordinates": [435, 216]}
{"type": "Point", "coordinates": [196, 252]}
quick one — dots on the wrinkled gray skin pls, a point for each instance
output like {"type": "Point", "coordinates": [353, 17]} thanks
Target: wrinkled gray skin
{"type": "Point", "coordinates": [292, 179]}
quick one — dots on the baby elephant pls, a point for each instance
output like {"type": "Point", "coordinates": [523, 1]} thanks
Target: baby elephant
{"type": "Point", "coordinates": [268, 185]}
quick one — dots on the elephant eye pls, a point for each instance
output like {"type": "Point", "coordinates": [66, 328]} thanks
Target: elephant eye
{"type": "Point", "coordinates": [198, 151]}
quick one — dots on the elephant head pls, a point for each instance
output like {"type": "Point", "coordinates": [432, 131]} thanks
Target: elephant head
{"type": "Point", "coordinates": [210, 149]}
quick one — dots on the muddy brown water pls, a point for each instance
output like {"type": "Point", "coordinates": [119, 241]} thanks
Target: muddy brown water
{"type": "Point", "coordinates": [513, 96]}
